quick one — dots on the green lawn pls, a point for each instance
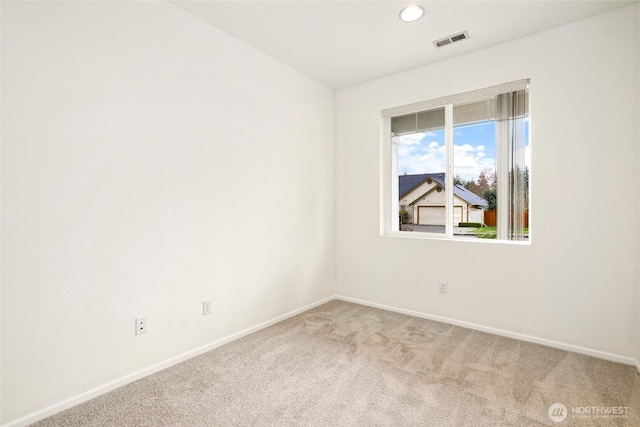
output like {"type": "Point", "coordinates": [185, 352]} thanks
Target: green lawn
{"type": "Point", "coordinates": [490, 232]}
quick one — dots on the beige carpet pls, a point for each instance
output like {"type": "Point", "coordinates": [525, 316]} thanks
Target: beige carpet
{"type": "Point", "coordinates": [343, 364]}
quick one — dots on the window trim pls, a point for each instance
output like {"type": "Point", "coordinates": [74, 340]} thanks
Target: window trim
{"type": "Point", "coordinates": [389, 221]}
{"type": "Point", "coordinates": [456, 98]}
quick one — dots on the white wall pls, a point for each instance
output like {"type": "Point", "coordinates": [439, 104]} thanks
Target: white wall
{"type": "Point", "coordinates": [637, 308]}
{"type": "Point", "coordinates": [129, 130]}
{"type": "Point", "coordinates": [128, 133]}
{"type": "Point", "coordinates": [575, 284]}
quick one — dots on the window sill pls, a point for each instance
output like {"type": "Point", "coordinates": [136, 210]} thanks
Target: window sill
{"type": "Point", "coordinates": [456, 238]}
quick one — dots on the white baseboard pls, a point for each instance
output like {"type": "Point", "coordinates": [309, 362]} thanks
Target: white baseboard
{"type": "Point", "coordinates": [502, 332]}
{"type": "Point", "coordinates": [112, 385]}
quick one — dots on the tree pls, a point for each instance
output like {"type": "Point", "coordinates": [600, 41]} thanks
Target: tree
{"type": "Point", "coordinates": [471, 186]}
{"type": "Point", "coordinates": [526, 186]}
{"type": "Point", "coordinates": [491, 197]}
{"type": "Point", "coordinates": [486, 181]}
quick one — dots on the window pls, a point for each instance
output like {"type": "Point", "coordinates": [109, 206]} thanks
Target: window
{"type": "Point", "coordinates": [459, 166]}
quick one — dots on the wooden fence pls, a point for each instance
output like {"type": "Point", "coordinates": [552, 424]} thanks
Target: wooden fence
{"type": "Point", "coordinates": [491, 218]}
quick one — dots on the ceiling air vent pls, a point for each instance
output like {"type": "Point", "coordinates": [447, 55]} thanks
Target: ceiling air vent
{"type": "Point", "coordinates": [451, 39]}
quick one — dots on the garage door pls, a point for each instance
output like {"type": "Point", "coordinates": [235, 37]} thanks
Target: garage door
{"type": "Point", "coordinates": [435, 215]}
{"type": "Point", "coordinates": [431, 215]}
{"type": "Point", "coordinates": [457, 215]}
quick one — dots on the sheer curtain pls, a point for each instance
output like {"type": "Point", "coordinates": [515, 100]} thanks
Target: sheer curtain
{"type": "Point", "coordinates": [513, 199]}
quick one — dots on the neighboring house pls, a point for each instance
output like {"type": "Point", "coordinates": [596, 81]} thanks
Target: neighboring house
{"type": "Point", "coordinates": [423, 197]}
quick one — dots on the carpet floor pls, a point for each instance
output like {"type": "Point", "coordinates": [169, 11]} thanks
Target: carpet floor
{"type": "Point", "coordinates": [343, 364]}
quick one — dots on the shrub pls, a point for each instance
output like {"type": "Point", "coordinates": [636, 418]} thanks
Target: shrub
{"type": "Point", "coordinates": [470, 224]}
{"type": "Point", "coordinates": [404, 217]}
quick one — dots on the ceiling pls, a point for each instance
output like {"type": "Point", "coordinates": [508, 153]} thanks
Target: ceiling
{"type": "Point", "coordinates": [343, 43]}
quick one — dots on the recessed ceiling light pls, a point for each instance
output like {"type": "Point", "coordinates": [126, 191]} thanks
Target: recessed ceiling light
{"type": "Point", "coordinates": [411, 13]}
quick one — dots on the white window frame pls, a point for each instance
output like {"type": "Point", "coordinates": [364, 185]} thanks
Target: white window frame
{"type": "Point", "coordinates": [389, 211]}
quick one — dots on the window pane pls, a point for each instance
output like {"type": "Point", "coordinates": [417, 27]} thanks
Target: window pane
{"type": "Point", "coordinates": [420, 166]}
{"type": "Point", "coordinates": [474, 169]}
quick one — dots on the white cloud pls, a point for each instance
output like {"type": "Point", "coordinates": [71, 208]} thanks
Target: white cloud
{"type": "Point", "coordinates": [429, 157]}
{"type": "Point", "coordinates": [413, 139]}
{"type": "Point", "coordinates": [468, 161]}
{"type": "Point", "coordinates": [420, 154]}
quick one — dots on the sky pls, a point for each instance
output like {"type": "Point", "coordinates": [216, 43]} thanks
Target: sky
{"type": "Point", "coordinates": [474, 151]}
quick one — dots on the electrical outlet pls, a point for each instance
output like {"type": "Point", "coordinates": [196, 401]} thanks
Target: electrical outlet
{"type": "Point", "coordinates": [206, 307]}
{"type": "Point", "coordinates": [141, 325]}
{"type": "Point", "coordinates": [443, 287]}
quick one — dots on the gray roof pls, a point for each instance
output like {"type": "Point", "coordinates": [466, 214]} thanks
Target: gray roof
{"type": "Point", "coordinates": [406, 183]}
